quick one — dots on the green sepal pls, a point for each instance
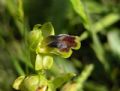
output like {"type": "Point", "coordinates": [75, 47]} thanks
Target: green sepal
{"type": "Point", "coordinates": [17, 82]}
{"type": "Point", "coordinates": [39, 32]}
{"type": "Point", "coordinates": [35, 37]}
{"type": "Point", "coordinates": [47, 29]}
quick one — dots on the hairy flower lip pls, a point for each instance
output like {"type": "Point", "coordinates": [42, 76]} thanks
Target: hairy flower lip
{"type": "Point", "coordinates": [63, 42]}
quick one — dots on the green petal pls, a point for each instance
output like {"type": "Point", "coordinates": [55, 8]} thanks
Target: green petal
{"type": "Point", "coordinates": [38, 62]}
{"type": "Point", "coordinates": [43, 62]}
{"type": "Point", "coordinates": [47, 61]}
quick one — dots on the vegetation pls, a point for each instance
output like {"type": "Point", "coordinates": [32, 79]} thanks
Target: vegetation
{"type": "Point", "coordinates": [30, 32]}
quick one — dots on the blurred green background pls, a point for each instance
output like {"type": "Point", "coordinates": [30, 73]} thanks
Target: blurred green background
{"type": "Point", "coordinates": [97, 22]}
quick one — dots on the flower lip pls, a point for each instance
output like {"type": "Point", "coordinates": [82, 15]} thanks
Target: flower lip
{"type": "Point", "coordinates": [63, 42]}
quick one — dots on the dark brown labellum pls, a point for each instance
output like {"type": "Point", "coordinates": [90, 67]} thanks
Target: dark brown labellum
{"type": "Point", "coordinates": [63, 42]}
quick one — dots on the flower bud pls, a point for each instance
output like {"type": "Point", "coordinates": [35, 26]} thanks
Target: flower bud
{"type": "Point", "coordinates": [34, 83]}
{"type": "Point", "coordinates": [17, 82]}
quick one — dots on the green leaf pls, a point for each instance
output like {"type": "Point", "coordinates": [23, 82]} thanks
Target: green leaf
{"type": "Point", "coordinates": [80, 10]}
{"type": "Point", "coordinates": [107, 21]}
{"type": "Point", "coordinates": [47, 29]}
{"type": "Point", "coordinates": [84, 35]}
{"type": "Point", "coordinates": [93, 86]}
{"type": "Point", "coordinates": [17, 82]}
{"type": "Point", "coordinates": [15, 8]}
{"type": "Point", "coordinates": [114, 41]}
{"type": "Point", "coordinates": [62, 79]}
{"type": "Point", "coordinates": [84, 76]}
{"type": "Point", "coordinates": [91, 6]}
{"type": "Point", "coordinates": [100, 52]}
{"type": "Point", "coordinates": [62, 65]}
